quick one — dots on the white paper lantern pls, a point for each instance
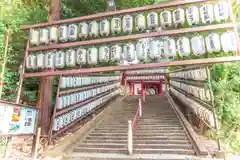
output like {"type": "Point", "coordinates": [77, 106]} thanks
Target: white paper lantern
{"type": "Point", "coordinates": [72, 32]}
{"type": "Point", "coordinates": [142, 50]}
{"type": "Point", "coordinates": [70, 58]}
{"type": "Point", "coordinates": [116, 25]}
{"type": "Point", "coordinates": [31, 62]}
{"type": "Point", "coordinates": [229, 41]}
{"type": "Point", "coordinates": [221, 11]}
{"type": "Point", "coordinates": [127, 24]}
{"type": "Point", "coordinates": [59, 59]}
{"type": "Point", "coordinates": [59, 103]}
{"type": "Point", "coordinates": [115, 53]}
{"type": "Point", "coordinates": [81, 56]}
{"type": "Point", "coordinates": [34, 37]}
{"type": "Point", "coordinates": [83, 30]}
{"type": "Point", "coordinates": [56, 124]}
{"type": "Point", "coordinates": [213, 43]}
{"type": "Point", "coordinates": [166, 18]}
{"type": "Point", "coordinates": [192, 14]}
{"type": "Point", "coordinates": [104, 54]}
{"type": "Point", "coordinates": [53, 35]}
{"type": "Point", "coordinates": [206, 13]}
{"type": "Point", "coordinates": [93, 29]}
{"type": "Point", "coordinates": [104, 27]}
{"type": "Point", "coordinates": [140, 22]}
{"type": "Point", "coordinates": [129, 51]}
{"type": "Point", "coordinates": [169, 48]}
{"type": "Point", "coordinates": [198, 45]}
{"type": "Point", "coordinates": [155, 49]}
{"type": "Point", "coordinates": [92, 56]}
{"type": "Point", "coordinates": [44, 36]}
{"type": "Point", "coordinates": [63, 82]}
{"type": "Point", "coordinates": [63, 33]}
{"type": "Point", "coordinates": [152, 20]}
{"type": "Point", "coordinates": [183, 46]}
{"type": "Point", "coordinates": [178, 17]}
{"type": "Point", "coordinates": [40, 60]}
{"type": "Point", "coordinates": [49, 60]}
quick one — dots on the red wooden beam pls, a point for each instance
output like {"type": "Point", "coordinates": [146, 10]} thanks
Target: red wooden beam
{"type": "Point", "coordinates": [133, 37]}
{"type": "Point", "coordinates": [204, 61]}
{"type": "Point", "coordinates": [114, 13]}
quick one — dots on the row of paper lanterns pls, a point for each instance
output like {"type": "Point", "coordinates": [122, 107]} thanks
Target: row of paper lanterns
{"type": "Point", "coordinates": [78, 81]}
{"type": "Point", "coordinates": [73, 98]}
{"type": "Point", "coordinates": [145, 77]}
{"type": "Point", "coordinates": [198, 109]}
{"type": "Point", "coordinates": [67, 118]}
{"type": "Point", "coordinates": [208, 13]}
{"type": "Point", "coordinates": [201, 93]}
{"type": "Point", "coordinates": [144, 50]}
{"type": "Point", "coordinates": [147, 71]}
{"type": "Point", "coordinates": [195, 74]}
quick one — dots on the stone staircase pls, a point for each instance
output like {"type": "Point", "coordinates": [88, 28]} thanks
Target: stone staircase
{"type": "Point", "coordinates": [158, 133]}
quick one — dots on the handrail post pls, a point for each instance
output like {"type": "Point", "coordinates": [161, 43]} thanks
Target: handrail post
{"type": "Point", "coordinates": [130, 136]}
{"type": "Point", "coordinates": [140, 106]}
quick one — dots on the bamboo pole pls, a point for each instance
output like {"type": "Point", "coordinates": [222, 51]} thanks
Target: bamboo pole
{"type": "Point", "coordinates": [6, 42]}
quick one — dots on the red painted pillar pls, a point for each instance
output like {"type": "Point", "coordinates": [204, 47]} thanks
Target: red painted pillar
{"type": "Point", "coordinates": [132, 88]}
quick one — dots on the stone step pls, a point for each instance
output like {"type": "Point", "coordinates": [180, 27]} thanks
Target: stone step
{"type": "Point", "coordinates": [135, 145]}
{"type": "Point", "coordinates": [139, 141]}
{"type": "Point", "coordinates": [141, 124]}
{"type": "Point", "coordinates": [138, 131]}
{"type": "Point", "coordinates": [168, 137]}
{"type": "Point", "coordinates": [139, 134]}
{"type": "Point", "coordinates": [166, 128]}
{"type": "Point", "coordinates": [135, 150]}
{"type": "Point", "coordinates": [150, 126]}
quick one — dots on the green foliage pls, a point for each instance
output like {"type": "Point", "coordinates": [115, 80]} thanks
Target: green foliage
{"type": "Point", "coordinates": [226, 88]}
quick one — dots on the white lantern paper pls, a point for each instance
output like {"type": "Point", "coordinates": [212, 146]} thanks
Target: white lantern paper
{"type": "Point", "coordinates": [40, 60]}
{"type": "Point", "coordinates": [31, 62]}
{"type": "Point", "coordinates": [155, 49]}
{"type": "Point", "coordinates": [169, 48]}
{"type": "Point", "coordinates": [81, 56]}
{"type": "Point", "coordinates": [198, 45]}
{"type": "Point", "coordinates": [44, 36]}
{"type": "Point", "coordinates": [104, 54]}
{"type": "Point", "coordinates": [206, 13]}
{"type": "Point", "coordinates": [140, 22]}
{"type": "Point", "coordinates": [72, 32]}
{"type": "Point", "coordinates": [83, 30]}
{"type": "Point", "coordinates": [34, 37]}
{"type": "Point", "coordinates": [92, 56]}
{"type": "Point", "coordinates": [115, 53]}
{"type": "Point", "coordinates": [152, 20]}
{"type": "Point", "coordinates": [93, 29]}
{"type": "Point", "coordinates": [129, 51]}
{"type": "Point", "coordinates": [59, 59]}
{"type": "Point", "coordinates": [142, 50]}
{"type": "Point", "coordinates": [229, 41]}
{"type": "Point", "coordinates": [63, 33]}
{"type": "Point", "coordinates": [127, 24]}
{"type": "Point", "coordinates": [104, 27]}
{"type": "Point", "coordinates": [116, 25]}
{"type": "Point", "coordinates": [183, 46]}
{"type": "Point", "coordinates": [70, 58]}
{"type": "Point", "coordinates": [53, 35]}
{"type": "Point", "coordinates": [56, 124]}
{"type": "Point", "coordinates": [221, 11]}
{"type": "Point", "coordinates": [213, 43]}
{"type": "Point", "coordinates": [178, 17]}
{"type": "Point", "coordinates": [166, 18]}
{"type": "Point", "coordinates": [192, 15]}
{"type": "Point", "coordinates": [49, 60]}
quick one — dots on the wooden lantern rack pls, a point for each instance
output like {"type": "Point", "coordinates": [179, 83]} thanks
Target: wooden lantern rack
{"type": "Point", "coordinates": [206, 61]}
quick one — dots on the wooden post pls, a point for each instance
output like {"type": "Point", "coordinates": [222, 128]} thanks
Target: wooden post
{"type": "Point", "coordinates": [46, 83]}
{"type": "Point", "coordinates": [36, 144]}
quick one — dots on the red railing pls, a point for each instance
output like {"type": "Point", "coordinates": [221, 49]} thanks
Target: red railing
{"type": "Point", "coordinates": [139, 111]}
